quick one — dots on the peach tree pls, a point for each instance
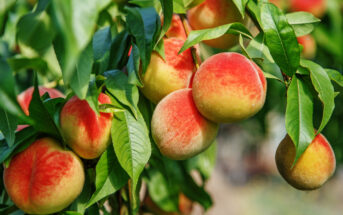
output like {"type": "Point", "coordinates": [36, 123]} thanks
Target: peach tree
{"type": "Point", "coordinates": [117, 62]}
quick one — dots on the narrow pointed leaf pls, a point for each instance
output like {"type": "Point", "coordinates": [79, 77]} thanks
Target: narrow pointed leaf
{"type": "Point", "coordinates": [280, 38]}
{"type": "Point", "coordinates": [299, 119]}
{"type": "Point", "coordinates": [323, 86]}
{"type": "Point", "coordinates": [211, 33]}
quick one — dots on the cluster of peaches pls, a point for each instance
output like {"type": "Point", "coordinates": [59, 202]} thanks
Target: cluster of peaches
{"type": "Point", "coordinates": [45, 178]}
{"type": "Point", "coordinates": [191, 102]}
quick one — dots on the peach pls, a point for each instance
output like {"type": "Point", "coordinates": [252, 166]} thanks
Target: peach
{"type": "Point", "coordinates": [312, 169]}
{"type": "Point", "coordinates": [44, 178]}
{"type": "Point", "coordinates": [316, 7]}
{"type": "Point", "coordinates": [229, 87]}
{"type": "Point", "coordinates": [213, 13]}
{"type": "Point", "coordinates": [24, 98]}
{"type": "Point", "coordinates": [163, 77]}
{"type": "Point", "coordinates": [178, 129]}
{"type": "Point", "coordinates": [87, 133]}
{"type": "Point", "coordinates": [176, 28]}
{"type": "Point", "coordinates": [309, 46]}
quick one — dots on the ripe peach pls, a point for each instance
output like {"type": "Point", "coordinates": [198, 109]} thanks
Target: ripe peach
{"type": "Point", "coordinates": [84, 131]}
{"type": "Point", "coordinates": [316, 7]}
{"type": "Point", "coordinates": [176, 28]}
{"type": "Point", "coordinates": [163, 77]}
{"type": "Point", "coordinates": [44, 178]}
{"type": "Point", "coordinates": [213, 13]}
{"type": "Point", "coordinates": [309, 46]}
{"type": "Point", "coordinates": [312, 169]}
{"type": "Point", "coordinates": [228, 87]}
{"type": "Point", "coordinates": [178, 129]}
{"type": "Point", "coordinates": [24, 98]}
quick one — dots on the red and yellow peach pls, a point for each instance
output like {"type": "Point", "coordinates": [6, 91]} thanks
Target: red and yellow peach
{"type": "Point", "coordinates": [178, 129]}
{"type": "Point", "coordinates": [312, 169]}
{"type": "Point", "coordinates": [213, 13]}
{"type": "Point", "coordinates": [309, 46]}
{"type": "Point", "coordinates": [176, 28]}
{"type": "Point", "coordinates": [229, 87]}
{"type": "Point", "coordinates": [163, 77]}
{"type": "Point", "coordinates": [44, 178]}
{"type": "Point", "coordinates": [87, 133]}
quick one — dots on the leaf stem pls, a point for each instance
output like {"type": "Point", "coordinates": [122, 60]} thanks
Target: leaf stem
{"type": "Point", "coordinates": [187, 31]}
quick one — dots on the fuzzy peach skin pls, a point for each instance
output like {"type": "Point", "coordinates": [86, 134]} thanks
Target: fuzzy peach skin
{"type": "Point", "coordinates": [313, 168]}
{"type": "Point", "coordinates": [163, 77]}
{"type": "Point", "coordinates": [316, 7]}
{"type": "Point", "coordinates": [213, 13]}
{"type": "Point", "coordinates": [24, 98]}
{"type": "Point", "coordinates": [309, 46]}
{"type": "Point", "coordinates": [228, 87]}
{"type": "Point", "coordinates": [178, 129]}
{"type": "Point", "coordinates": [84, 131]}
{"type": "Point", "coordinates": [44, 178]}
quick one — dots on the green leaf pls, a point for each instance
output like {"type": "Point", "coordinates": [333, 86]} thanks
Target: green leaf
{"type": "Point", "coordinates": [75, 20]}
{"type": "Point", "coordinates": [93, 94]}
{"type": "Point", "coordinates": [299, 119]}
{"type": "Point", "coordinates": [195, 192]}
{"type": "Point", "coordinates": [167, 8]}
{"type": "Point", "coordinates": [118, 50]}
{"type": "Point", "coordinates": [204, 162]}
{"type": "Point", "coordinates": [132, 146]}
{"type": "Point", "coordinates": [323, 86]}
{"type": "Point", "coordinates": [302, 22]}
{"type": "Point", "coordinates": [240, 4]}
{"type": "Point", "coordinates": [110, 176]}
{"type": "Point", "coordinates": [36, 24]}
{"type": "Point", "coordinates": [335, 76]}
{"type": "Point", "coordinates": [101, 42]}
{"type": "Point", "coordinates": [211, 33]}
{"type": "Point", "coordinates": [257, 49]}
{"type": "Point", "coordinates": [280, 38]}
{"type": "Point", "coordinates": [43, 119]}
{"type": "Point", "coordinates": [117, 84]}
{"type": "Point", "coordinates": [79, 205]}
{"type": "Point", "coordinates": [179, 6]}
{"type": "Point", "coordinates": [8, 124]}
{"type": "Point", "coordinates": [18, 63]}
{"type": "Point", "coordinates": [143, 24]}
{"type": "Point", "coordinates": [162, 192]}
{"type": "Point", "coordinates": [8, 97]}
{"type": "Point", "coordinates": [131, 143]}
{"type": "Point", "coordinates": [23, 139]}
{"type": "Point", "coordinates": [133, 66]}
{"type": "Point", "coordinates": [80, 80]}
